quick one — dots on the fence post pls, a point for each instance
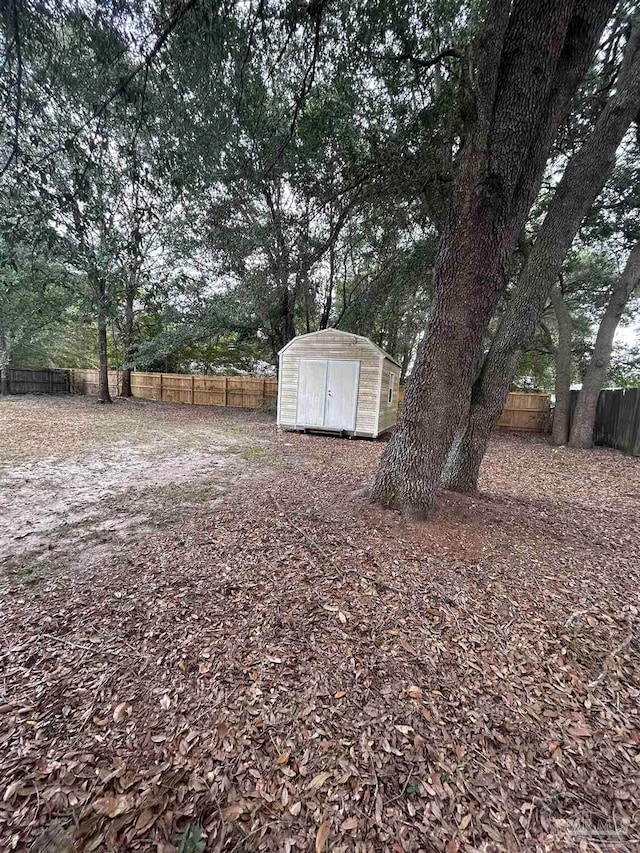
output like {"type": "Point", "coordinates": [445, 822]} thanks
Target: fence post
{"type": "Point", "coordinates": [161, 388]}
{"type": "Point", "coordinates": [193, 390]}
{"type": "Point", "coordinates": [264, 392]}
{"type": "Point", "coordinates": [226, 391]}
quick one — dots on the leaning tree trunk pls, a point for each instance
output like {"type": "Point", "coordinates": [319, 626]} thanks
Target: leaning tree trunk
{"type": "Point", "coordinates": [562, 412]}
{"type": "Point", "coordinates": [532, 57]}
{"type": "Point", "coordinates": [598, 368]}
{"type": "Point", "coordinates": [436, 396]}
{"type": "Point", "coordinates": [583, 179]}
{"type": "Point", "coordinates": [5, 361]}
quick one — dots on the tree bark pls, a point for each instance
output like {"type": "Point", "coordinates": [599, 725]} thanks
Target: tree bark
{"type": "Point", "coordinates": [127, 334]}
{"type": "Point", "coordinates": [328, 301]}
{"type": "Point", "coordinates": [598, 367]}
{"type": "Point", "coordinates": [583, 179]}
{"type": "Point", "coordinates": [562, 412]}
{"type": "Point", "coordinates": [5, 361]}
{"type": "Point", "coordinates": [532, 56]}
{"type": "Point", "coordinates": [100, 293]}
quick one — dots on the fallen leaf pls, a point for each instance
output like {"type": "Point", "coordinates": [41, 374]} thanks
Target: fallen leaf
{"type": "Point", "coordinates": [120, 712]}
{"type": "Point", "coordinates": [415, 692]}
{"type": "Point", "coordinates": [165, 702]}
{"type": "Point", "coordinates": [234, 811]}
{"type": "Point", "coordinates": [145, 819]}
{"type": "Point", "coordinates": [452, 846]}
{"type": "Point", "coordinates": [349, 824]}
{"type": "Point", "coordinates": [111, 806]}
{"type": "Point", "coordinates": [318, 781]}
{"type": "Point", "coordinates": [339, 694]}
{"type": "Point", "coordinates": [408, 647]}
{"type": "Point", "coordinates": [11, 789]}
{"type": "Point", "coordinates": [322, 836]}
{"type": "Point", "coordinates": [283, 757]}
{"type": "Point", "coordinates": [295, 808]}
{"type": "Point", "coordinates": [580, 730]}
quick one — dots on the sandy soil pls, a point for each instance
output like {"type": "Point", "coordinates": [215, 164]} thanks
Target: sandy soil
{"type": "Point", "coordinates": [270, 663]}
{"type": "Point", "coordinates": [76, 477]}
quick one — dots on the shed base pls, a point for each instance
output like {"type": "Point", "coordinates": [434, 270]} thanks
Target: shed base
{"type": "Point", "coordinates": [334, 432]}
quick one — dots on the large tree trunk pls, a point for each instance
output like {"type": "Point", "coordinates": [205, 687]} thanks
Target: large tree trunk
{"type": "Point", "coordinates": [532, 56]}
{"type": "Point", "coordinates": [596, 373]}
{"type": "Point", "coordinates": [437, 392]}
{"type": "Point", "coordinates": [562, 412]}
{"type": "Point", "coordinates": [5, 362]}
{"type": "Point", "coordinates": [583, 179]}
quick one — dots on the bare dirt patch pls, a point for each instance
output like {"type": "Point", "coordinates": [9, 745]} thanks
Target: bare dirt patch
{"type": "Point", "coordinates": [75, 475]}
{"type": "Point", "coordinates": [291, 667]}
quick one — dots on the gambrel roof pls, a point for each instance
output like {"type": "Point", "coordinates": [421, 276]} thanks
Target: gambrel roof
{"type": "Point", "coordinates": [360, 338]}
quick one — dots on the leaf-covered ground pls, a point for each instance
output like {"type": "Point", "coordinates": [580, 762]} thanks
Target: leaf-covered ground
{"type": "Point", "coordinates": [267, 662]}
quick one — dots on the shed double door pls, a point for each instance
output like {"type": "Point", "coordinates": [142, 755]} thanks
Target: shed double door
{"type": "Point", "coordinates": [327, 393]}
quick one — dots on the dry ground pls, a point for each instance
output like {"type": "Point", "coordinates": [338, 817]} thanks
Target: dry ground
{"type": "Point", "coordinates": [204, 631]}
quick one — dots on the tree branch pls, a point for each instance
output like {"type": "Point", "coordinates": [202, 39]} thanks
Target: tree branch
{"type": "Point", "coordinates": [418, 62]}
{"type": "Point", "coordinates": [15, 147]}
{"type": "Point", "coordinates": [179, 14]}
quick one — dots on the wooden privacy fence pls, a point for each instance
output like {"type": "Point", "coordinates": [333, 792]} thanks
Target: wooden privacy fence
{"type": "Point", "coordinates": [529, 410]}
{"type": "Point", "coordinates": [85, 381]}
{"type": "Point", "coordinates": [524, 410]}
{"type": "Point", "coordinates": [240, 392]}
{"type": "Point", "coordinates": [25, 380]}
{"type": "Point", "coordinates": [617, 419]}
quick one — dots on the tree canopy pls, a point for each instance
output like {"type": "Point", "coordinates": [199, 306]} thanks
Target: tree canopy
{"type": "Point", "coordinates": [187, 187]}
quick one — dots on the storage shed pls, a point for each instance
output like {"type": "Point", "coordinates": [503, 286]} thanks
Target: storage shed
{"type": "Point", "coordinates": [337, 382]}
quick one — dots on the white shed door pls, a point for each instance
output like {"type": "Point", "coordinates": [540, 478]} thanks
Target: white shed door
{"type": "Point", "coordinates": [312, 390]}
{"type": "Point", "coordinates": [342, 394]}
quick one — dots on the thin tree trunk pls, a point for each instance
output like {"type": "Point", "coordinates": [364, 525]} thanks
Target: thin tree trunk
{"type": "Point", "coordinates": [562, 412]}
{"type": "Point", "coordinates": [100, 292]}
{"type": "Point", "coordinates": [127, 335]}
{"type": "Point", "coordinates": [532, 57]}
{"type": "Point", "coordinates": [328, 301]}
{"type": "Point", "coordinates": [583, 179]}
{"type": "Point", "coordinates": [5, 362]}
{"type": "Point", "coordinates": [598, 367]}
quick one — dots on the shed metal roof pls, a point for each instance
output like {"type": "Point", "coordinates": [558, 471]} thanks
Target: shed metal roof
{"type": "Point", "coordinates": [366, 340]}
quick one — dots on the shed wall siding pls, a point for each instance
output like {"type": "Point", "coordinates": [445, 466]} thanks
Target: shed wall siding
{"type": "Point", "coordinates": [388, 411]}
{"type": "Point", "coordinates": [328, 346]}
